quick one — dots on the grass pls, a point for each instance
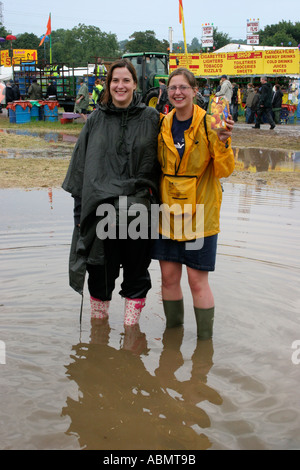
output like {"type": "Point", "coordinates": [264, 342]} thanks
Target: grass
{"type": "Point", "coordinates": [32, 172]}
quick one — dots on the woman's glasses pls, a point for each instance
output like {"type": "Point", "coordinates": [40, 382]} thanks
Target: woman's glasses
{"type": "Point", "coordinates": [183, 88]}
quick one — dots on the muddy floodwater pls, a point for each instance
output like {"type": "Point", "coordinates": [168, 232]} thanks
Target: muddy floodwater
{"type": "Point", "coordinates": [100, 387]}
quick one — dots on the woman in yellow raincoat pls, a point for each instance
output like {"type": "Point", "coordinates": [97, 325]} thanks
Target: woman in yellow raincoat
{"type": "Point", "coordinates": [193, 157]}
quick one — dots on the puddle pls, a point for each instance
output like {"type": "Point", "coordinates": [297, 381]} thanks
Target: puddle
{"type": "Point", "coordinates": [247, 159]}
{"type": "Point", "coordinates": [99, 387]}
{"type": "Point", "coordinates": [47, 136]}
{"type": "Point", "coordinates": [257, 160]}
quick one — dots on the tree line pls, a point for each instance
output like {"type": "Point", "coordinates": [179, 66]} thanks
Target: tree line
{"type": "Point", "coordinates": [82, 44]}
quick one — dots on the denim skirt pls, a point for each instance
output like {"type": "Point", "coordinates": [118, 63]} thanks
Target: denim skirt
{"type": "Point", "coordinates": [197, 254]}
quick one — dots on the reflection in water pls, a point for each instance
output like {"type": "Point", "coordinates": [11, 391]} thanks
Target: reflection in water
{"type": "Point", "coordinates": [121, 405]}
{"type": "Point", "coordinates": [257, 160]}
{"type": "Point", "coordinates": [246, 159]}
{"type": "Point", "coordinates": [166, 389]}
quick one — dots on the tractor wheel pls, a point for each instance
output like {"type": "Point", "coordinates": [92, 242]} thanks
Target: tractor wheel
{"type": "Point", "coordinates": [151, 99]}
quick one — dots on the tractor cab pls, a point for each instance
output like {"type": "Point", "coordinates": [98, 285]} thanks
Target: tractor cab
{"type": "Point", "coordinates": [150, 67]}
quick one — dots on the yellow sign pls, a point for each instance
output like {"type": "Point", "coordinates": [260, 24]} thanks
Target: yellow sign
{"type": "Point", "coordinates": [19, 55]}
{"type": "Point", "coordinates": [24, 55]}
{"type": "Point", "coordinates": [282, 61]}
{"type": "Point", "coordinates": [245, 63]}
{"type": "Point", "coordinates": [5, 59]}
{"type": "Point", "coordinates": [270, 62]}
{"type": "Point", "coordinates": [190, 61]}
{"type": "Point", "coordinates": [212, 64]}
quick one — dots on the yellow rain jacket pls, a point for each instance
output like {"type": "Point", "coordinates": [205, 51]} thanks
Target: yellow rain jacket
{"type": "Point", "coordinates": [194, 179]}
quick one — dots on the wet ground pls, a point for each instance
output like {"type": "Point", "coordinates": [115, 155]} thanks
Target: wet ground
{"type": "Point", "coordinates": [100, 387]}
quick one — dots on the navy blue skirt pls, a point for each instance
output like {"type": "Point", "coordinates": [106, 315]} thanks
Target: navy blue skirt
{"type": "Point", "coordinates": [197, 254]}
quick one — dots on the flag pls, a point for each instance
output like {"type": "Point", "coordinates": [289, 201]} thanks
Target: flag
{"type": "Point", "coordinates": [180, 11]}
{"type": "Point", "coordinates": [48, 32]}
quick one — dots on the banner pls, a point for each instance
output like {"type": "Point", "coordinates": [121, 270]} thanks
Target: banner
{"type": "Point", "coordinates": [282, 61]}
{"type": "Point", "coordinates": [252, 27]}
{"type": "Point", "coordinates": [207, 42]}
{"type": "Point", "coordinates": [207, 31]}
{"type": "Point", "coordinates": [270, 62]}
{"type": "Point", "coordinates": [253, 39]}
{"type": "Point", "coordinates": [24, 55]}
{"type": "Point", "coordinates": [5, 59]}
{"type": "Point", "coordinates": [245, 63]}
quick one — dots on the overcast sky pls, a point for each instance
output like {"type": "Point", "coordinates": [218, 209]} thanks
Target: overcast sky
{"type": "Point", "coordinates": [124, 17]}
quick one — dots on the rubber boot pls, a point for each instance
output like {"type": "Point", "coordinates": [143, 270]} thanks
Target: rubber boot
{"type": "Point", "coordinates": [99, 308]}
{"type": "Point", "coordinates": [133, 308]}
{"type": "Point", "coordinates": [174, 312]}
{"type": "Point", "coordinates": [204, 320]}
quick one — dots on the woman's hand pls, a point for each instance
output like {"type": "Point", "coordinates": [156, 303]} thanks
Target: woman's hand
{"type": "Point", "coordinates": [225, 133]}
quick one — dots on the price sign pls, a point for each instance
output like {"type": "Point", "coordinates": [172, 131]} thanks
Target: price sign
{"type": "Point", "coordinates": [252, 27]}
{"type": "Point", "coordinates": [207, 31]}
{"type": "Point", "coordinates": [5, 59]}
{"type": "Point", "coordinates": [252, 39]}
{"type": "Point", "coordinates": [24, 55]}
{"type": "Point", "coordinates": [207, 42]}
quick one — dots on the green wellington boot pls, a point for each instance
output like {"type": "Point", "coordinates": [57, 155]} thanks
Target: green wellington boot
{"type": "Point", "coordinates": [174, 312]}
{"type": "Point", "coordinates": [205, 321]}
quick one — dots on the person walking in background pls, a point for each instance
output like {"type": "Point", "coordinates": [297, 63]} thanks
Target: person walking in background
{"type": "Point", "coordinates": [9, 92]}
{"type": "Point", "coordinates": [249, 99]}
{"type": "Point", "coordinates": [206, 94]}
{"type": "Point", "coordinates": [226, 89]}
{"type": "Point", "coordinates": [35, 91]}
{"type": "Point", "coordinates": [51, 90]}
{"type": "Point", "coordinates": [97, 89]}
{"type": "Point", "coordinates": [193, 158]}
{"type": "Point", "coordinates": [265, 104]}
{"type": "Point", "coordinates": [115, 156]}
{"type": "Point", "coordinates": [82, 100]}
{"type": "Point", "coordinates": [235, 101]}
{"type": "Point", "coordinates": [254, 106]}
{"type": "Point", "coordinates": [162, 96]}
{"type": "Point", "coordinates": [276, 103]}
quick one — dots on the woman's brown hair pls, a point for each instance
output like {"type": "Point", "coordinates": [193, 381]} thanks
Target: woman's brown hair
{"type": "Point", "coordinates": [190, 77]}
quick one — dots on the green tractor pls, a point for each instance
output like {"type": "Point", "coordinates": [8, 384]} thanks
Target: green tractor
{"type": "Point", "coordinates": [150, 67]}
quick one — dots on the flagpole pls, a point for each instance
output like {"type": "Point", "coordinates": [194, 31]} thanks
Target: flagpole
{"type": "Point", "coordinates": [50, 41]}
{"type": "Point", "coordinates": [181, 20]}
{"type": "Point", "coordinates": [184, 38]}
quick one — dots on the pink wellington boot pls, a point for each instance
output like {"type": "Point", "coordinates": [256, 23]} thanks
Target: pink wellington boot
{"type": "Point", "coordinates": [99, 308]}
{"type": "Point", "coordinates": [133, 308]}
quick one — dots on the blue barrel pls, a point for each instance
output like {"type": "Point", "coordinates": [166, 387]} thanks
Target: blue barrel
{"type": "Point", "coordinates": [34, 113]}
{"type": "Point", "coordinates": [22, 115]}
{"type": "Point", "coordinates": [50, 114]}
{"type": "Point", "coordinates": [12, 115]}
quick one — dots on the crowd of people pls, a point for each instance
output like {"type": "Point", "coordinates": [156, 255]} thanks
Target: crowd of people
{"type": "Point", "coordinates": [259, 102]}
